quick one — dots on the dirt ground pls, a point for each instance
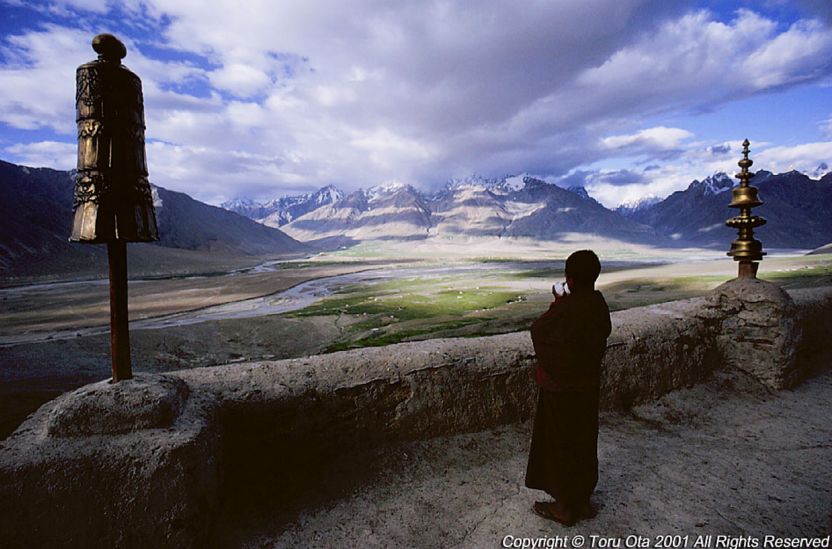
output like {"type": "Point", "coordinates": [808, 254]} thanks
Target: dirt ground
{"type": "Point", "coordinates": [32, 374]}
{"type": "Point", "coordinates": [722, 458]}
{"type": "Point", "coordinates": [77, 305]}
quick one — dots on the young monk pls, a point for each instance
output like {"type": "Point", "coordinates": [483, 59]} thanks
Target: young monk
{"type": "Point", "coordinates": [569, 340]}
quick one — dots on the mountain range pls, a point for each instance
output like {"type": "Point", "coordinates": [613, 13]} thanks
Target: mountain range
{"type": "Point", "coordinates": [281, 211]}
{"type": "Point", "coordinates": [518, 206]}
{"type": "Point", "coordinates": [796, 207]}
{"type": "Point", "coordinates": [36, 213]}
{"type": "Point", "coordinates": [36, 209]}
{"type": "Point", "coordinates": [798, 211]}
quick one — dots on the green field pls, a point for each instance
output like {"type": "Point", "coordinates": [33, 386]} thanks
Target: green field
{"type": "Point", "coordinates": [509, 298]}
{"type": "Point", "coordinates": [387, 300]}
{"type": "Point", "coordinates": [417, 308]}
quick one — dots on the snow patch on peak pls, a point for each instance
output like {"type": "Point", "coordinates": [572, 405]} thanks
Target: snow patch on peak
{"type": "Point", "coordinates": [710, 228]}
{"type": "Point", "coordinates": [475, 181]}
{"type": "Point", "coordinates": [327, 195]}
{"type": "Point", "coordinates": [279, 211]}
{"type": "Point", "coordinates": [718, 183]}
{"type": "Point", "coordinates": [631, 207]}
{"type": "Point", "coordinates": [157, 200]}
{"type": "Point", "coordinates": [379, 191]}
{"type": "Point", "coordinates": [821, 170]}
{"type": "Point", "coordinates": [714, 184]}
{"type": "Point", "coordinates": [515, 182]}
{"type": "Point", "coordinates": [237, 203]}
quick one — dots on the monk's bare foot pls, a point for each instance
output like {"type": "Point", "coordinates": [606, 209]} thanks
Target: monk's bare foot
{"type": "Point", "coordinates": [586, 511]}
{"type": "Point", "coordinates": [555, 511]}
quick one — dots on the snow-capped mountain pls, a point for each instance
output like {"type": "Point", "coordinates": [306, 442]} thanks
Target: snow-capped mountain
{"type": "Point", "coordinates": [278, 212]}
{"type": "Point", "coordinates": [796, 209]}
{"type": "Point", "coordinates": [516, 206]}
{"type": "Point", "coordinates": [630, 209]}
{"type": "Point", "coordinates": [715, 184]}
{"type": "Point", "coordinates": [561, 212]}
{"type": "Point", "coordinates": [472, 181]}
{"type": "Point", "coordinates": [385, 212]}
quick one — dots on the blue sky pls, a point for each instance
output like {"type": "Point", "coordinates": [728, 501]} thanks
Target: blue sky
{"type": "Point", "coordinates": [260, 98]}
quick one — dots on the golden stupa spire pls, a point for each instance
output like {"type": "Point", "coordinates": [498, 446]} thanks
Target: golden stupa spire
{"type": "Point", "coordinates": [745, 248]}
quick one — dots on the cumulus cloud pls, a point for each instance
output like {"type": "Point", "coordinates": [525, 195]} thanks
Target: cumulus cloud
{"type": "Point", "coordinates": [39, 74]}
{"type": "Point", "coordinates": [596, 178]}
{"type": "Point", "coordinates": [803, 158]}
{"type": "Point", "coordinates": [790, 57]}
{"type": "Point", "coordinates": [53, 154]}
{"type": "Point", "coordinates": [655, 139]}
{"type": "Point", "coordinates": [272, 97]}
{"type": "Point", "coordinates": [696, 162]}
{"type": "Point", "coordinates": [240, 79]}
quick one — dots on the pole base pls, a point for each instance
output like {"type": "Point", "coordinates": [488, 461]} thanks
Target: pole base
{"type": "Point", "coordinates": [748, 269]}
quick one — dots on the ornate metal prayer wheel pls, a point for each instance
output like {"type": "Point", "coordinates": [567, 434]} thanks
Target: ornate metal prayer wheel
{"type": "Point", "coordinates": [745, 248]}
{"type": "Point", "coordinates": [113, 200]}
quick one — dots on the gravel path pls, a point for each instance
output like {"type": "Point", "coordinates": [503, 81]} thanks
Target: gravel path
{"type": "Point", "coordinates": [722, 458]}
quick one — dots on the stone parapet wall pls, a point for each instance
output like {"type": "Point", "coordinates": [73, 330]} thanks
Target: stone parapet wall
{"type": "Point", "coordinates": [153, 487]}
{"type": "Point", "coordinates": [159, 477]}
{"type": "Point", "coordinates": [653, 350]}
{"type": "Point", "coordinates": [814, 315]}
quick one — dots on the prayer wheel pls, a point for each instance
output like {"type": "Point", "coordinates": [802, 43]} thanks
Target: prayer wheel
{"type": "Point", "coordinates": [113, 200]}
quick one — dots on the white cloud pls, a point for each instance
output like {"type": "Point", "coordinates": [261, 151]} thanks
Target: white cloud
{"type": "Point", "coordinates": [658, 138]}
{"type": "Point", "coordinates": [54, 154]}
{"type": "Point", "coordinates": [240, 79]}
{"type": "Point", "coordinates": [800, 53]}
{"type": "Point", "coordinates": [35, 91]}
{"type": "Point", "coordinates": [805, 157]}
{"type": "Point", "coordinates": [696, 161]}
{"type": "Point", "coordinates": [97, 6]}
{"type": "Point", "coordinates": [693, 62]}
{"type": "Point", "coordinates": [297, 94]}
{"type": "Point", "coordinates": [38, 84]}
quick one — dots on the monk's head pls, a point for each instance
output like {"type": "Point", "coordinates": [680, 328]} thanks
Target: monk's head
{"type": "Point", "coordinates": [582, 270]}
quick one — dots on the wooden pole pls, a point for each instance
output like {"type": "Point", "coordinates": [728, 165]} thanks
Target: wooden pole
{"type": "Point", "coordinates": [119, 331]}
{"type": "Point", "coordinates": [748, 269]}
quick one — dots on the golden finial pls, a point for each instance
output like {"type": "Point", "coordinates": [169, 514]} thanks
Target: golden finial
{"type": "Point", "coordinates": [746, 249]}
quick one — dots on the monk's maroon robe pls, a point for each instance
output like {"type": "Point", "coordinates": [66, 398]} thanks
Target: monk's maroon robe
{"type": "Point", "coordinates": [569, 340]}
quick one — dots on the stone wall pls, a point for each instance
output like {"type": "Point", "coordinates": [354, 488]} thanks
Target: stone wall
{"type": "Point", "coordinates": [814, 350]}
{"type": "Point", "coordinates": [100, 467]}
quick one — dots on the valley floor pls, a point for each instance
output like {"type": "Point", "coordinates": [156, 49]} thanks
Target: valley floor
{"type": "Point", "coordinates": [54, 337]}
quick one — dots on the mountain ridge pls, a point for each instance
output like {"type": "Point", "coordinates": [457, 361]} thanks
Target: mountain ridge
{"type": "Point", "coordinates": [36, 214]}
{"type": "Point", "coordinates": [515, 207]}
{"type": "Point", "coordinates": [796, 207]}
{"type": "Point", "coordinates": [280, 211]}
{"type": "Point", "coordinates": [524, 206]}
